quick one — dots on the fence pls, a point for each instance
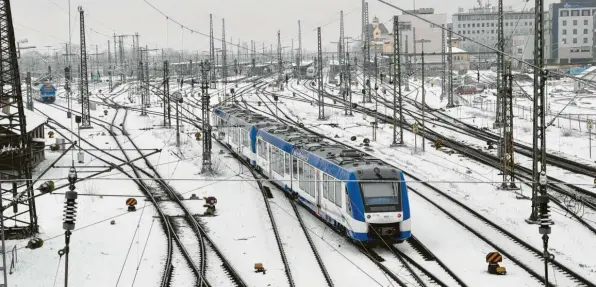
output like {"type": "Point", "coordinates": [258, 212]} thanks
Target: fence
{"type": "Point", "coordinates": [577, 122]}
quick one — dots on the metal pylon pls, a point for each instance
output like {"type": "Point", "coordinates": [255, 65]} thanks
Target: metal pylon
{"type": "Point", "coordinates": [280, 64]}
{"type": "Point", "coordinates": [397, 84]}
{"type": "Point", "coordinates": [320, 76]}
{"type": "Point", "coordinates": [85, 113]}
{"type": "Point", "coordinates": [207, 166]}
{"type": "Point", "coordinates": [299, 55]}
{"type": "Point", "coordinates": [29, 92]}
{"type": "Point", "coordinates": [167, 117]}
{"type": "Point", "coordinates": [443, 71]}
{"type": "Point", "coordinates": [211, 51]}
{"type": "Point", "coordinates": [500, 63]}
{"type": "Point", "coordinates": [508, 159]}
{"type": "Point", "coordinates": [366, 62]}
{"type": "Point", "coordinates": [450, 103]}
{"type": "Point", "coordinates": [13, 121]}
{"type": "Point", "coordinates": [224, 53]}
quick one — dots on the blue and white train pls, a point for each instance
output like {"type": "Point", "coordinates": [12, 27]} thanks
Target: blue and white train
{"type": "Point", "coordinates": [357, 194]}
{"type": "Point", "coordinates": [45, 93]}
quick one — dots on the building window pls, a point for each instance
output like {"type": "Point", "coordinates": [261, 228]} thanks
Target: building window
{"type": "Point", "coordinates": [574, 22]}
{"type": "Point", "coordinates": [593, 11]}
{"type": "Point", "coordinates": [585, 31]}
{"type": "Point", "coordinates": [586, 12]}
{"type": "Point", "coordinates": [492, 24]}
{"type": "Point", "coordinates": [564, 13]}
{"type": "Point", "coordinates": [458, 25]}
{"type": "Point", "coordinates": [564, 22]}
{"type": "Point", "coordinates": [585, 40]}
{"type": "Point", "coordinates": [564, 32]}
{"type": "Point", "coordinates": [585, 22]}
{"type": "Point", "coordinates": [564, 41]}
{"type": "Point", "coordinates": [574, 31]}
{"type": "Point", "coordinates": [574, 13]}
{"type": "Point", "coordinates": [574, 40]}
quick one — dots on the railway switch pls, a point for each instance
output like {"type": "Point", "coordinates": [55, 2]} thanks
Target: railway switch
{"type": "Point", "coordinates": [493, 259]}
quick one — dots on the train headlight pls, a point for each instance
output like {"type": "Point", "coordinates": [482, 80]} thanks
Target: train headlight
{"type": "Point", "coordinates": [399, 215]}
{"type": "Point", "coordinates": [368, 216]}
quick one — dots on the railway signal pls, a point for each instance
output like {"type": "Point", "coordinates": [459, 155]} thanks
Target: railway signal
{"type": "Point", "coordinates": [131, 202]}
{"type": "Point", "coordinates": [493, 259]}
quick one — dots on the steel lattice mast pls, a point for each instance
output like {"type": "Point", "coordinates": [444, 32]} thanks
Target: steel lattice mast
{"type": "Point", "coordinates": [299, 56]}
{"type": "Point", "coordinates": [500, 63]}
{"type": "Point", "coordinates": [224, 53]}
{"type": "Point", "coordinates": [207, 167]}
{"type": "Point", "coordinates": [29, 92]}
{"type": "Point", "coordinates": [397, 84]}
{"type": "Point", "coordinates": [280, 65]}
{"type": "Point", "coordinates": [450, 71]}
{"type": "Point", "coordinates": [211, 50]}
{"type": "Point", "coordinates": [443, 71]}
{"type": "Point", "coordinates": [320, 76]}
{"type": "Point", "coordinates": [342, 63]}
{"type": "Point", "coordinates": [13, 120]}
{"type": "Point", "coordinates": [86, 116]}
{"type": "Point", "coordinates": [166, 94]}
{"type": "Point", "coordinates": [508, 163]}
{"type": "Point", "coordinates": [540, 199]}
{"type": "Point", "coordinates": [366, 63]}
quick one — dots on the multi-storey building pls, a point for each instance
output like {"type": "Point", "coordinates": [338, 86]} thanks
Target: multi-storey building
{"type": "Point", "coordinates": [481, 25]}
{"type": "Point", "coordinates": [571, 38]}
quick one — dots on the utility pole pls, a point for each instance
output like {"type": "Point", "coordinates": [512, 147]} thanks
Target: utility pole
{"type": "Point", "coordinates": [207, 166]}
{"type": "Point", "coordinates": [508, 160]}
{"type": "Point", "coordinates": [224, 54]}
{"type": "Point", "coordinates": [86, 116]}
{"type": "Point", "coordinates": [397, 84]}
{"type": "Point", "coordinates": [500, 62]}
{"type": "Point", "coordinates": [540, 209]}
{"type": "Point", "coordinates": [443, 71]}
{"type": "Point", "coordinates": [13, 118]}
{"type": "Point", "coordinates": [349, 83]}
{"type": "Point", "coordinates": [212, 51]}
{"type": "Point", "coordinates": [166, 94]}
{"type": "Point", "coordinates": [342, 62]}
{"type": "Point", "coordinates": [366, 63]}
{"type": "Point", "coordinates": [422, 41]}
{"type": "Point", "coordinates": [408, 67]}
{"type": "Point", "coordinates": [109, 54]}
{"type": "Point", "coordinates": [29, 92]}
{"type": "Point", "coordinates": [320, 76]}
{"type": "Point", "coordinates": [299, 56]}
{"type": "Point", "coordinates": [450, 71]}
{"type": "Point", "coordinates": [280, 65]}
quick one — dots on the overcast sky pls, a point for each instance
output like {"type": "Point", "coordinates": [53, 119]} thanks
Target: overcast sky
{"type": "Point", "coordinates": [45, 22]}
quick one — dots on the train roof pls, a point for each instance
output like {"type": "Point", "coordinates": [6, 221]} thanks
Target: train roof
{"type": "Point", "coordinates": [237, 115]}
{"type": "Point", "coordinates": [341, 155]}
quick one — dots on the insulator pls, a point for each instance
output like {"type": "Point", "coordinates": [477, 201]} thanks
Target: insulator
{"type": "Point", "coordinates": [70, 210]}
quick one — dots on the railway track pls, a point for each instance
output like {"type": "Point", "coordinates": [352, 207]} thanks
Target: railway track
{"type": "Point", "coordinates": [563, 191]}
{"type": "Point", "coordinates": [235, 279]}
{"type": "Point", "coordinates": [522, 246]}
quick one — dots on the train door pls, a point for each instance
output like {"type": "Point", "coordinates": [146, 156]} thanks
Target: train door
{"type": "Point", "coordinates": [318, 189]}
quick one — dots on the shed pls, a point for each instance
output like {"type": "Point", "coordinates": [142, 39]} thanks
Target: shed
{"type": "Point", "coordinates": [9, 143]}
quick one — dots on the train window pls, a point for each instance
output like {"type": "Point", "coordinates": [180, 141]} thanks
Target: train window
{"type": "Point", "coordinates": [325, 186]}
{"type": "Point", "coordinates": [295, 167]}
{"type": "Point", "coordinates": [338, 189]}
{"type": "Point", "coordinates": [348, 204]}
{"type": "Point", "coordinates": [287, 162]}
{"type": "Point", "coordinates": [301, 173]}
{"type": "Point", "coordinates": [313, 182]}
{"type": "Point", "coordinates": [331, 187]}
{"type": "Point", "coordinates": [235, 135]}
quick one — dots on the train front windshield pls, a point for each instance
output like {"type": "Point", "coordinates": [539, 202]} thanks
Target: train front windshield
{"type": "Point", "coordinates": [381, 196]}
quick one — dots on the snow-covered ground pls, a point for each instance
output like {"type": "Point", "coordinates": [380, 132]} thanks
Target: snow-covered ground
{"type": "Point", "coordinates": [134, 248]}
